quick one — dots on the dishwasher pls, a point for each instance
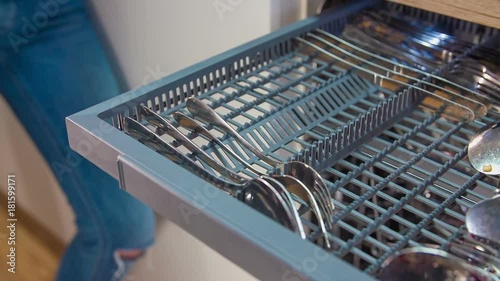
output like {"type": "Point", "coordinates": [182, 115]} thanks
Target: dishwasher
{"type": "Point", "coordinates": [378, 99]}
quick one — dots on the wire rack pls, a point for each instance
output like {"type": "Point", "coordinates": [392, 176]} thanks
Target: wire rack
{"type": "Point", "coordinates": [397, 172]}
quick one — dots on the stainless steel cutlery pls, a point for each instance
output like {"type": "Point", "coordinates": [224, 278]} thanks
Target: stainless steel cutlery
{"type": "Point", "coordinates": [390, 54]}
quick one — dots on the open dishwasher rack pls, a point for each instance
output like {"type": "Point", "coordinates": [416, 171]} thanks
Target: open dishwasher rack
{"type": "Point", "coordinates": [397, 172]}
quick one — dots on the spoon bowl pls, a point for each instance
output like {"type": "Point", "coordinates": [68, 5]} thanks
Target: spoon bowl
{"type": "Point", "coordinates": [484, 150]}
{"type": "Point", "coordinates": [420, 263]}
{"type": "Point", "coordinates": [317, 185]}
{"type": "Point", "coordinates": [482, 221]}
{"type": "Point", "coordinates": [258, 193]}
{"type": "Point", "coordinates": [292, 184]}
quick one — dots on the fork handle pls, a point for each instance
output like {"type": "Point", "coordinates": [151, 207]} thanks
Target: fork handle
{"type": "Point", "coordinates": [207, 114]}
{"type": "Point", "coordinates": [168, 128]}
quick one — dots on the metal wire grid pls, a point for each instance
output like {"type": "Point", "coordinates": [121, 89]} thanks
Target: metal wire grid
{"type": "Point", "coordinates": [408, 186]}
{"type": "Point", "coordinates": [306, 93]}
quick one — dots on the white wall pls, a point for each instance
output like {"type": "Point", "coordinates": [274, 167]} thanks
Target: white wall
{"type": "Point", "coordinates": [166, 36]}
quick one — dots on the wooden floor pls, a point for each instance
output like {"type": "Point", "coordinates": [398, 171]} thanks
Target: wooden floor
{"type": "Point", "coordinates": [37, 254]}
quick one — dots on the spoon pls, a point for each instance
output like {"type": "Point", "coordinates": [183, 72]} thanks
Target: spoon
{"type": "Point", "coordinates": [482, 219]}
{"type": "Point", "coordinates": [484, 150]}
{"type": "Point", "coordinates": [427, 264]}
{"type": "Point", "coordinates": [282, 184]}
{"type": "Point", "coordinates": [299, 170]}
{"type": "Point", "coordinates": [292, 184]}
{"type": "Point", "coordinates": [256, 193]}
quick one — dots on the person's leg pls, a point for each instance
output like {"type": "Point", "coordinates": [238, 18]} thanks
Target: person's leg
{"type": "Point", "coordinates": [60, 70]}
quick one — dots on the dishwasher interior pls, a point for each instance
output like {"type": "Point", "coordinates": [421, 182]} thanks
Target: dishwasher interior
{"type": "Point", "coordinates": [377, 97]}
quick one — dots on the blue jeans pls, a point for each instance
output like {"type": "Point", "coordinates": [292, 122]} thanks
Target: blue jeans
{"type": "Point", "coordinates": [52, 65]}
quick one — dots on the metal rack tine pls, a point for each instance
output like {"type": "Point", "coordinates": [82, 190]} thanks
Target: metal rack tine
{"type": "Point", "coordinates": [431, 35]}
{"type": "Point", "coordinates": [356, 35]}
{"type": "Point", "coordinates": [479, 108]}
{"type": "Point", "coordinates": [464, 112]}
{"type": "Point", "coordinates": [400, 65]}
{"type": "Point", "coordinates": [395, 36]}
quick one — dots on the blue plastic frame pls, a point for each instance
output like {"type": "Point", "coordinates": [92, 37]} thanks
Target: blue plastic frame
{"type": "Point", "coordinates": [269, 251]}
